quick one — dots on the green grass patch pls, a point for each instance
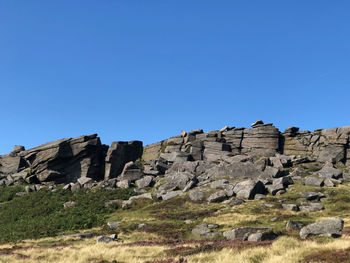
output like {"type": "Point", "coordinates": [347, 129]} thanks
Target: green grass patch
{"type": "Point", "coordinates": [8, 193]}
{"type": "Point", "coordinates": [41, 214]}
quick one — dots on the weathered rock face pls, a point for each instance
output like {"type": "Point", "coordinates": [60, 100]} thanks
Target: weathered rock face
{"type": "Point", "coordinates": [66, 160]}
{"type": "Point", "coordinates": [119, 154]}
{"type": "Point", "coordinates": [262, 139]}
{"type": "Point", "coordinates": [259, 153]}
{"type": "Point", "coordinates": [152, 151]}
{"type": "Point", "coordinates": [11, 164]}
{"type": "Point", "coordinates": [329, 145]}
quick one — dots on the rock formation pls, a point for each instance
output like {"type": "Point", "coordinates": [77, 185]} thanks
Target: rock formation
{"type": "Point", "coordinates": [259, 154]}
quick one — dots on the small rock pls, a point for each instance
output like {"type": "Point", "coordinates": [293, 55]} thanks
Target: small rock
{"type": "Point", "coordinates": [141, 226]}
{"type": "Point", "coordinates": [237, 201]}
{"type": "Point", "coordinates": [106, 239]}
{"type": "Point", "coordinates": [281, 192]}
{"type": "Point", "coordinates": [262, 236]}
{"type": "Point", "coordinates": [260, 197]}
{"type": "Point", "coordinates": [83, 235]}
{"type": "Point", "coordinates": [123, 184]}
{"type": "Point", "coordinates": [69, 204]}
{"type": "Point", "coordinates": [144, 182]}
{"type": "Point", "coordinates": [312, 207]}
{"type": "Point", "coordinates": [274, 188]}
{"type": "Point", "coordinates": [240, 233]}
{"type": "Point", "coordinates": [217, 197]}
{"type": "Point", "coordinates": [329, 183]}
{"type": "Point", "coordinates": [310, 196]}
{"type": "Point", "coordinates": [293, 225]}
{"type": "Point", "coordinates": [84, 180]}
{"type": "Point", "coordinates": [313, 181]}
{"type": "Point", "coordinates": [256, 123]}
{"type": "Point", "coordinates": [113, 225]}
{"type": "Point", "coordinates": [67, 187]}
{"type": "Point", "coordinates": [196, 196]}
{"type": "Point", "coordinates": [170, 195]}
{"type": "Point", "coordinates": [75, 187]}
{"type": "Point", "coordinates": [290, 207]}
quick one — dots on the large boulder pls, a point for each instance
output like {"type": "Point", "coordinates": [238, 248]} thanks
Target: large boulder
{"type": "Point", "coordinates": [217, 197]}
{"type": "Point", "coordinates": [176, 181]}
{"type": "Point", "coordinates": [132, 172]}
{"type": "Point", "coordinates": [328, 228]}
{"type": "Point", "coordinates": [249, 188]}
{"type": "Point", "coordinates": [243, 232]}
{"type": "Point", "coordinates": [328, 171]}
{"type": "Point", "coordinates": [120, 153]}
{"type": "Point", "coordinates": [66, 160]}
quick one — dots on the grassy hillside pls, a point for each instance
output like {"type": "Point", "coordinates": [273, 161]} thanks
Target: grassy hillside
{"type": "Point", "coordinates": [41, 214]}
{"type": "Point", "coordinates": [166, 235]}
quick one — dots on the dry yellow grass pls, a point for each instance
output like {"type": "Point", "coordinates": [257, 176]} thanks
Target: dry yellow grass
{"type": "Point", "coordinates": [230, 219]}
{"type": "Point", "coordinates": [284, 249]}
{"type": "Point", "coordinates": [81, 252]}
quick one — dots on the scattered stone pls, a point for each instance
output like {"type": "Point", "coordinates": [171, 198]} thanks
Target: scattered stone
{"type": "Point", "coordinates": [201, 230]}
{"type": "Point", "coordinates": [329, 183]}
{"type": "Point", "coordinates": [312, 207]}
{"type": "Point", "coordinates": [123, 184]}
{"type": "Point", "coordinates": [196, 196]}
{"type": "Point", "coordinates": [285, 181]}
{"type": "Point", "coordinates": [249, 188]}
{"type": "Point", "coordinates": [29, 189]}
{"type": "Point", "coordinates": [262, 236]}
{"type": "Point", "coordinates": [237, 201]}
{"type": "Point", "coordinates": [328, 228]}
{"type": "Point", "coordinates": [113, 225]}
{"type": "Point", "coordinates": [260, 197]}
{"type": "Point", "coordinates": [144, 182]}
{"type": "Point", "coordinates": [219, 184]}
{"type": "Point", "coordinates": [84, 180]}
{"type": "Point", "coordinates": [256, 123]}
{"type": "Point", "coordinates": [82, 235]}
{"type": "Point", "coordinates": [328, 171]}
{"type": "Point", "coordinates": [281, 192]}
{"type": "Point", "coordinates": [290, 207]}
{"type": "Point", "coordinates": [141, 226]}
{"type": "Point", "coordinates": [106, 239]}
{"type": "Point", "coordinates": [69, 204]}
{"type": "Point", "coordinates": [206, 230]}
{"type": "Point", "coordinates": [75, 187]}
{"type": "Point", "coordinates": [313, 181]}
{"type": "Point", "coordinates": [274, 188]}
{"type": "Point", "coordinates": [217, 197]}
{"type": "Point", "coordinates": [67, 187]}
{"type": "Point", "coordinates": [312, 196]}
{"type": "Point", "coordinates": [293, 225]}
{"type": "Point", "coordinates": [240, 233]}
{"type": "Point", "coordinates": [170, 195]}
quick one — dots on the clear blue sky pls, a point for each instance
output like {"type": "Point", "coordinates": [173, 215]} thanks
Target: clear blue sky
{"type": "Point", "coordinates": [148, 69]}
